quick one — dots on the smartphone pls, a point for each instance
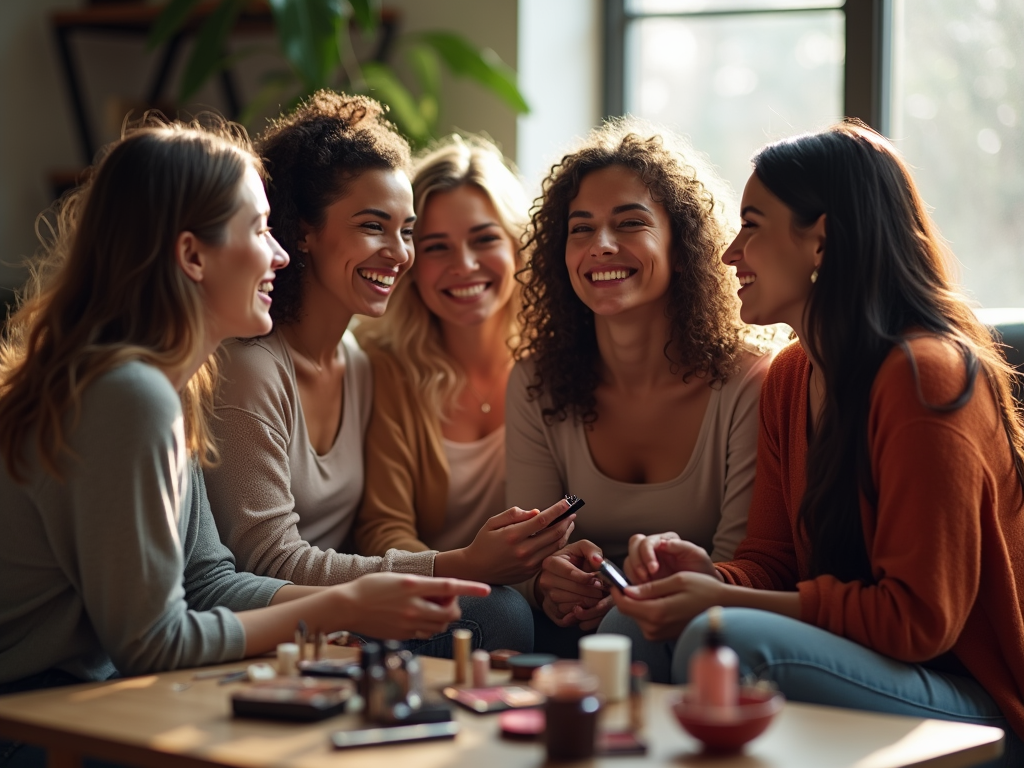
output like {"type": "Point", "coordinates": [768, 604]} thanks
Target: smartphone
{"type": "Point", "coordinates": [574, 504]}
{"type": "Point", "coordinates": [611, 575]}
{"type": "Point", "coordinates": [331, 668]}
{"type": "Point", "coordinates": [395, 734]}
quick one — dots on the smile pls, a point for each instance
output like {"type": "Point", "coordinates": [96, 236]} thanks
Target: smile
{"type": "Point", "coordinates": [746, 279]}
{"type": "Point", "coordinates": [467, 291]}
{"type": "Point", "coordinates": [610, 274]}
{"type": "Point", "coordinates": [266, 286]}
{"type": "Point", "coordinates": [378, 277]}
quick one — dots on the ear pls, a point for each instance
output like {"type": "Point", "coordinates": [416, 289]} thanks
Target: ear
{"type": "Point", "coordinates": [189, 257]}
{"type": "Point", "coordinates": [306, 236]}
{"type": "Point", "coordinates": [817, 238]}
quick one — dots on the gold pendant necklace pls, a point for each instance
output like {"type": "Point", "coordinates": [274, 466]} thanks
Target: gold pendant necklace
{"type": "Point", "coordinates": [485, 407]}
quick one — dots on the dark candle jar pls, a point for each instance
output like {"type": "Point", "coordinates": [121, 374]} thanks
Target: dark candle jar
{"type": "Point", "coordinates": [571, 710]}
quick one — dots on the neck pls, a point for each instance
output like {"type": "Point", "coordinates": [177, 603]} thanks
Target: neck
{"type": "Point", "coordinates": [322, 323]}
{"type": "Point", "coordinates": [632, 349]}
{"type": "Point", "coordinates": [180, 376]}
{"type": "Point", "coordinates": [480, 350]}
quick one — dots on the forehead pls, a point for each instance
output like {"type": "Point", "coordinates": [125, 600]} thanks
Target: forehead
{"type": "Point", "coordinates": [464, 201]}
{"type": "Point", "coordinates": [387, 185]}
{"type": "Point", "coordinates": [251, 191]}
{"type": "Point", "coordinates": [611, 186]}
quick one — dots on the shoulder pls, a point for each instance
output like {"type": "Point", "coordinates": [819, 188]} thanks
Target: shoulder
{"type": "Point", "coordinates": [253, 373]}
{"type": "Point", "coordinates": [136, 392]}
{"type": "Point", "coordinates": [520, 379]}
{"type": "Point", "coordinates": [787, 368]}
{"type": "Point", "coordinates": [926, 367]}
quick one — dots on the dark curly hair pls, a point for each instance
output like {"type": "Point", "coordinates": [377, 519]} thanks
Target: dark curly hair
{"type": "Point", "coordinates": [558, 328]}
{"type": "Point", "coordinates": [311, 155]}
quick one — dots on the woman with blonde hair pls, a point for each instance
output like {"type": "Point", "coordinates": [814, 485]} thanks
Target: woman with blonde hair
{"type": "Point", "coordinates": [110, 558]}
{"type": "Point", "coordinates": [435, 453]}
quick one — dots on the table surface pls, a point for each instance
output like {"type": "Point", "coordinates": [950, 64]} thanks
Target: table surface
{"type": "Point", "coordinates": [172, 719]}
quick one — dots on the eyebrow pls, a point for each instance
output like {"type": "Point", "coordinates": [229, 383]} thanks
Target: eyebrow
{"type": "Point", "coordinates": [750, 209]}
{"type": "Point", "coordinates": [616, 210]}
{"type": "Point", "coordinates": [472, 230]}
{"type": "Point", "coordinates": [378, 212]}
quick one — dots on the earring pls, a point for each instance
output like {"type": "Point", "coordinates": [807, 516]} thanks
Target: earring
{"type": "Point", "coordinates": [814, 275]}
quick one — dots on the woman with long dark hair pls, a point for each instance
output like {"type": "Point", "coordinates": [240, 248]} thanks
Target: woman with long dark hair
{"type": "Point", "coordinates": [883, 552]}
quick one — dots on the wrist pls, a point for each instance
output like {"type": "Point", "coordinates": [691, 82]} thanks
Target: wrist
{"type": "Point", "coordinates": [454, 564]}
{"type": "Point", "coordinates": [344, 604]}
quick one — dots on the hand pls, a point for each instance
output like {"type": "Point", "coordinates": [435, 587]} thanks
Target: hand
{"type": "Point", "coordinates": [399, 606]}
{"type": "Point", "coordinates": [661, 555]}
{"type": "Point", "coordinates": [567, 589]}
{"type": "Point", "coordinates": [663, 608]}
{"type": "Point", "coordinates": [511, 547]}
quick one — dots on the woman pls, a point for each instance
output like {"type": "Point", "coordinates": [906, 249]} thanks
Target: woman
{"type": "Point", "coordinates": [293, 406]}
{"type": "Point", "coordinates": [883, 549]}
{"type": "Point", "coordinates": [635, 387]}
{"type": "Point", "coordinates": [110, 558]}
{"type": "Point", "coordinates": [435, 451]}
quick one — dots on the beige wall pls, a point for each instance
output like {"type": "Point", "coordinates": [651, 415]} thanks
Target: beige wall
{"type": "Point", "coordinates": [558, 37]}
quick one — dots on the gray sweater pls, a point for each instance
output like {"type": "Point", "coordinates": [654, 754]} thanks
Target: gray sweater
{"type": "Point", "coordinates": [118, 568]}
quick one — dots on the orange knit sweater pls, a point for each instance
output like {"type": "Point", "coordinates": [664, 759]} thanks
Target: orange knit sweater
{"type": "Point", "coordinates": [946, 541]}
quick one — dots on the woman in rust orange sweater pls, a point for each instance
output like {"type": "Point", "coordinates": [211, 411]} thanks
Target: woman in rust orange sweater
{"type": "Point", "coordinates": [884, 556]}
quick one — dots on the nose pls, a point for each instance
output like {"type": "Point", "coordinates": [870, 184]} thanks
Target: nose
{"type": "Point", "coordinates": [603, 243]}
{"type": "Point", "coordinates": [734, 252]}
{"type": "Point", "coordinates": [463, 260]}
{"type": "Point", "coordinates": [279, 256]}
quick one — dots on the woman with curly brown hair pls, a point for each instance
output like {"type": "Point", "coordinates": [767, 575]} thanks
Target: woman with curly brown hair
{"type": "Point", "coordinates": [635, 388]}
{"type": "Point", "coordinates": [293, 408]}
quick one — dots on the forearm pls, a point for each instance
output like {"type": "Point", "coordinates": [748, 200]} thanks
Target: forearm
{"type": "Point", "coordinates": [782, 603]}
{"type": "Point", "coordinates": [320, 608]}
{"type": "Point", "coordinates": [455, 564]}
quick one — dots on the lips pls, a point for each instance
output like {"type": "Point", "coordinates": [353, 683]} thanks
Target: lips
{"type": "Point", "coordinates": [383, 278]}
{"type": "Point", "coordinates": [470, 291]}
{"type": "Point", "coordinates": [610, 274]}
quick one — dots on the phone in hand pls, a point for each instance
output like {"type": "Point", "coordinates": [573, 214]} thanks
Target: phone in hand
{"type": "Point", "coordinates": [609, 573]}
{"type": "Point", "coordinates": [575, 502]}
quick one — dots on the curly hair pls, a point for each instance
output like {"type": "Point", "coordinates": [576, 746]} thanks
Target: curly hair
{"type": "Point", "coordinates": [106, 287]}
{"type": "Point", "coordinates": [409, 330]}
{"type": "Point", "coordinates": [558, 328]}
{"type": "Point", "coordinates": [312, 154]}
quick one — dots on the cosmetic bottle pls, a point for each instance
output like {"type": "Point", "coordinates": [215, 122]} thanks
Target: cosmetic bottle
{"type": "Point", "coordinates": [714, 669]}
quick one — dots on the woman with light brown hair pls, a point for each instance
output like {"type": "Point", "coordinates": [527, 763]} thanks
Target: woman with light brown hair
{"type": "Point", "coordinates": [636, 387]}
{"type": "Point", "coordinates": [110, 558]}
{"type": "Point", "coordinates": [435, 449]}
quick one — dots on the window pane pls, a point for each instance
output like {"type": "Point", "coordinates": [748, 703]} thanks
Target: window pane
{"type": "Point", "coordinates": [697, 6]}
{"type": "Point", "coordinates": [733, 83]}
{"type": "Point", "coordinates": [958, 113]}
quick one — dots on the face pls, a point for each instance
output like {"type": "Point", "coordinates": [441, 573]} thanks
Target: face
{"type": "Point", "coordinates": [466, 261]}
{"type": "Point", "coordinates": [618, 248]}
{"type": "Point", "coordinates": [238, 276]}
{"type": "Point", "coordinates": [774, 259]}
{"type": "Point", "coordinates": [365, 244]}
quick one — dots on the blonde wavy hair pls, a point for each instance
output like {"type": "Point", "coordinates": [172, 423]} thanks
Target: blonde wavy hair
{"type": "Point", "coordinates": [106, 287]}
{"type": "Point", "coordinates": [408, 330]}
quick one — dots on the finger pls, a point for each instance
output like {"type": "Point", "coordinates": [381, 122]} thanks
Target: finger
{"type": "Point", "coordinates": [574, 590]}
{"type": "Point", "coordinates": [510, 517]}
{"type": "Point", "coordinates": [444, 587]}
{"type": "Point", "coordinates": [599, 609]}
{"type": "Point", "coordinates": [548, 516]}
{"type": "Point", "coordinates": [575, 595]}
{"type": "Point", "coordinates": [632, 573]}
{"type": "Point", "coordinates": [549, 537]}
{"type": "Point", "coordinates": [568, 532]}
{"type": "Point", "coordinates": [654, 589]}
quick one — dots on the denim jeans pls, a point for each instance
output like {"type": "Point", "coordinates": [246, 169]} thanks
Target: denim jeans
{"type": "Point", "coordinates": [813, 665]}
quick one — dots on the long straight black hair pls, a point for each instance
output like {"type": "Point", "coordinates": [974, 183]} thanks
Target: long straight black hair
{"type": "Point", "coordinates": [884, 272]}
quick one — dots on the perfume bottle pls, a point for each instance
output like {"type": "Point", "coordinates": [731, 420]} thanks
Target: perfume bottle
{"type": "Point", "coordinates": [714, 669]}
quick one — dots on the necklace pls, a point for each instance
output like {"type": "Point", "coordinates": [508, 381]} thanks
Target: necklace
{"type": "Point", "coordinates": [485, 406]}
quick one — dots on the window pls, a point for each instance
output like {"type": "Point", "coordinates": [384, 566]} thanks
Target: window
{"type": "Point", "coordinates": [943, 78]}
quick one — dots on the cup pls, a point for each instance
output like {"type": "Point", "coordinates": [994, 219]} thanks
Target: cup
{"type": "Point", "coordinates": [571, 710]}
{"type": "Point", "coordinates": [608, 657]}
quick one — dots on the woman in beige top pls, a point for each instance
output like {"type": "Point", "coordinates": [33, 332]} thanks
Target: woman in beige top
{"type": "Point", "coordinates": [635, 388]}
{"type": "Point", "coordinates": [435, 451]}
{"type": "Point", "coordinates": [293, 406]}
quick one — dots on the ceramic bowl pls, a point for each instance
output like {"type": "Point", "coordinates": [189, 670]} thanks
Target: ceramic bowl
{"type": "Point", "coordinates": [727, 729]}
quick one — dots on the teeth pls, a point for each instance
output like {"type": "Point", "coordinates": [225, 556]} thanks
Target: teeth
{"type": "Point", "coordinates": [266, 286]}
{"type": "Point", "coordinates": [381, 278]}
{"type": "Point", "coordinates": [469, 292]}
{"type": "Point", "coordinates": [614, 274]}
{"type": "Point", "coordinates": [747, 279]}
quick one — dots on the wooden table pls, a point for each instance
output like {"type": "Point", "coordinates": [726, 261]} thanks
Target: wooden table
{"type": "Point", "coordinates": [171, 719]}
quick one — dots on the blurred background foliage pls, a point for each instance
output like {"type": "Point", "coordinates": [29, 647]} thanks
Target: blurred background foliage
{"type": "Point", "coordinates": [324, 43]}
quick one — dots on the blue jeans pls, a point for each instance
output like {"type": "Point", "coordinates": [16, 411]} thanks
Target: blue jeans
{"type": "Point", "coordinates": [813, 665]}
{"type": "Point", "coordinates": [503, 619]}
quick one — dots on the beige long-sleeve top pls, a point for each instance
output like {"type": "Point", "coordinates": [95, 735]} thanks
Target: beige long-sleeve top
{"type": "Point", "coordinates": [281, 508]}
{"type": "Point", "coordinates": [707, 503]}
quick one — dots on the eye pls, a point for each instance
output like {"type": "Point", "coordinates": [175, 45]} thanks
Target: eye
{"type": "Point", "coordinates": [407, 233]}
{"type": "Point", "coordinates": [580, 228]}
{"type": "Point", "coordinates": [488, 239]}
{"type": "Point", "coordinates": [435, 248]}
{"type": "Point", "coordinates": [745, 224]}
{"type": "Point", "coordinates": [372, 225]}
{"type": "Point", "coordinates": [633, 223]}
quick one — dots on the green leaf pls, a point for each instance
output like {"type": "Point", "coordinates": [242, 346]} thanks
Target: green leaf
{"type": "Point", "coordinates": [383, 85]}
{"type": "Point", "coordinates": [482, 65]}
{"type": "Point", "coordinates": [208, 54]}
{"type": "Point", "coordinates": [426, 66]}
{"type": "Point", "coordinates": [366, 13]}
{"type": "Point", "coordinates": [170, 20]}
{"type": "Point", "coordinates": [309, 33]}
{"type": "Point", "coordinates": [273, 84]}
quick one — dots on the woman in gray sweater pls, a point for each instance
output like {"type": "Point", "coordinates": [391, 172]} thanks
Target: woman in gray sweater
{"type": "Point", "coordinates": [110, 559]}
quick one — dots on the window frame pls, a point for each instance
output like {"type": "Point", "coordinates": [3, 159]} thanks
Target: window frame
{"type": "Point", "coordinates": [867, 69]}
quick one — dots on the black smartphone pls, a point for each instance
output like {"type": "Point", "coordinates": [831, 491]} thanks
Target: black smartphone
{"type": "Point", "coordinates": [395, 734]}
{"type": "Point", "coordinates": [331, 668]}
{"type": "Point", "coordinates": [293, 698]}
{"type": "Point", "coordinates": [611, 575]}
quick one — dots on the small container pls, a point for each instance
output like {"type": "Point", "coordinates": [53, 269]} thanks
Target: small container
{"type": "Point", "coordinates": [463, 642]}
{"type": "Point", "coordinates": [638, 676]}
{"type": "Point", "coordinates": [571, 710]}
{"type": "Point", "coordinates": [500, 657]}
{"type": "Point", "coordinates": [727, 729]}
{"type": "Point", "coordinates": [525, 664]}
{"type": "Point", "coordinates": [481, 667]}
{"type": "Point", "coordinates": [607, 657]}
{"type": "Point", "coordinates": [714, 669]}
{"type": "Point", "coordinates": [287, 659]}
